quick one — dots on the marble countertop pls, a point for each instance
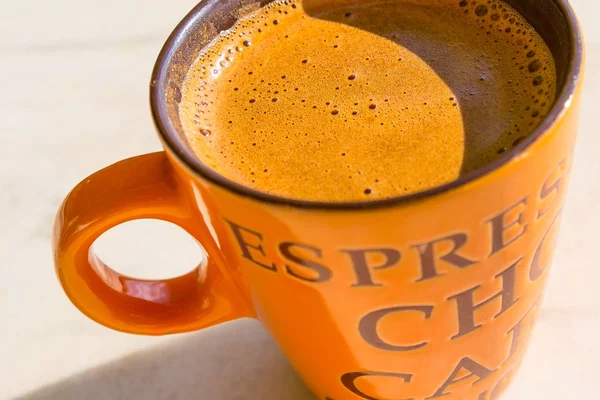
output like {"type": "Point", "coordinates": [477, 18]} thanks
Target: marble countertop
{"type": "Point", "coordinates": [74, 99]}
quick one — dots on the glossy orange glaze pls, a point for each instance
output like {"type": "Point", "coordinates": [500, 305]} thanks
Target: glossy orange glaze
{"type": "Point", "coordinates": [433, 298]}
{"type": "Point", "coordinates": [141, 187]}
{"type": "Point", "coordinates": [311, 277]}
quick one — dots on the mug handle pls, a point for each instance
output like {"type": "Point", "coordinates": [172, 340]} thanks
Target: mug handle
{"type": "Point", "coordinates": [139, 187]}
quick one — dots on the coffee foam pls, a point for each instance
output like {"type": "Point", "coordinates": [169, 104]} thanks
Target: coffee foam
{"type": "Point", "coordinates": [346, 100]}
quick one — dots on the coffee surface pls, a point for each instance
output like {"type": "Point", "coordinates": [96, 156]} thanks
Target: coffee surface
{"type": "Point", "coordinates": [348, 100]}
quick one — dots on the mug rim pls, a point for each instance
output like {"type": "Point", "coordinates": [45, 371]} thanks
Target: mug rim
{"type": "Point", "coordinates": [173, 143]}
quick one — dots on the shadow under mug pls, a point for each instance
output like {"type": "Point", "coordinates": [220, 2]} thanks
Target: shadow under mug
{"type": "Point", "coordinates": [426, 296]}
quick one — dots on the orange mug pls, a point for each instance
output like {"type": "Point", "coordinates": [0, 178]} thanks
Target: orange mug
{"type": "Point", "coordinates": [427, 296]}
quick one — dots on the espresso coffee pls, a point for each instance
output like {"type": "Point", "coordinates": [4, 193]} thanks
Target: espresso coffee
{"type": "Point", "coordinates": [348, 100]}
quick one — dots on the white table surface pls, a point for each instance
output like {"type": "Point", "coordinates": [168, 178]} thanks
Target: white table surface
{"type": "Point", "coordinates": [73, 99]}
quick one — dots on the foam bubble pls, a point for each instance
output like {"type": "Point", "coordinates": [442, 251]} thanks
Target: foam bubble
{"type": "Point", "coordinates": [535, 66]}
{"type": "Point", "coordinates": [481, 11]}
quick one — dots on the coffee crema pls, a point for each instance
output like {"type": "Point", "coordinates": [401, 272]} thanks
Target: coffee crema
{"type": "Point", "coordinates": [348, 100]}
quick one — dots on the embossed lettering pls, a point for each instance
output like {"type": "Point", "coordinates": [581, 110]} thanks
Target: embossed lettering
{"type": "Point", "coordinates": [246, 246]}
{"type": "Point", "coordinates": [536, 270]}
{"type": "Point", "coordinates": [466, 306]}
{"type": "Point", "coordinates": [428, 258]}
{"type": "Point", "coordinates": [500, 227]}
{"type": "Point", "coordinates": [368, 327]}
{"type": "Point", "coordinates": [349, 381]}
{"type": "Point", "coordinates": [519, 329]}
{"type": "Point", "coordinates": [362, 267]}
{"type": "Point", "coordinates": [553, 188]}
{"type": "Point", "coordinates": [323, 273]}
{"type": "Point", "coordinates": [473, 367]}
{"type": "Point", "coordinates": [500, 386]}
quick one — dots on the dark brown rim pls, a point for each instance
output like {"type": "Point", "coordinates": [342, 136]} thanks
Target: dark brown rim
{"type": "Point", "coordinates": [187, 157]}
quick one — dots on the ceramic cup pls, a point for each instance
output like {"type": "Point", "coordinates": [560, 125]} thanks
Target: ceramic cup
{"type": "Point", "coordinates": [431, 295]}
